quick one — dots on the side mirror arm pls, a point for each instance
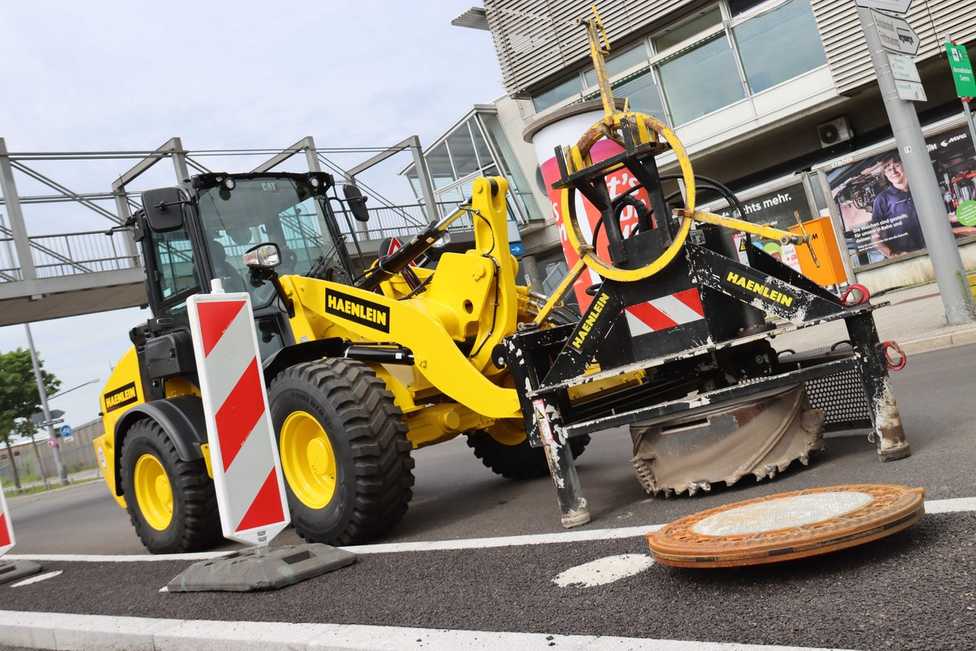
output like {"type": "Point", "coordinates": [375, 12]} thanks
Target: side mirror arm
{"type": "Point", "coordinates": [259, 276]}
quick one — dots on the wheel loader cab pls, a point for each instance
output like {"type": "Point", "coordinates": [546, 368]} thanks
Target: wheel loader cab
{"type": "Point", "coordinates": [222, 217]}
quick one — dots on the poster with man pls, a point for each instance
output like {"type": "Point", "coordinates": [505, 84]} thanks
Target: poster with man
{"type": "Point", "coordinates": [876, 205]}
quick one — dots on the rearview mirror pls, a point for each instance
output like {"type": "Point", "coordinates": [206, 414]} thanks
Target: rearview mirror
{"type": "Point", "coordinates": [164, 208]}
{"type": "Point", "coordinates": [356, 201]}
{"type": "Point", "coordinates": [262, 256]}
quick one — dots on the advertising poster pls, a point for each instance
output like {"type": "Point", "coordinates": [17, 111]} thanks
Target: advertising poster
{"type": "Point", "coordinates": [587, 215]}
{"type": "Point", "coordinates": [777, 209]}
{"type": "Point", "coordinates": [876, 206]}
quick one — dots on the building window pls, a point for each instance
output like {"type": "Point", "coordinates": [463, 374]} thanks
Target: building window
{"type": "Point", "coordinates": [701, 80]}
{"type": "Point", "coordinates": [688, 28]}
{"type": "Point", "coordinates": [439, 164]}
{"type": "Point", "coordinates": [557, 94]}
{"type": "Point", "coordinates": [642, 95]}
{"type": "Point", "coordinates": [618, 63]}
{"type": "Point", "coordinates": [706, 61]}
{"type": "Point", "coordinates": [779, 44]}
{"type": "Point", "coordinates": [462, 151]}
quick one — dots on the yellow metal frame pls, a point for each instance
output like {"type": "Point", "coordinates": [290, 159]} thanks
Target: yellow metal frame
{"type": "Point", "coordinates": [647, 125]}
{"type": "Point", "coordinates": [768, 232]}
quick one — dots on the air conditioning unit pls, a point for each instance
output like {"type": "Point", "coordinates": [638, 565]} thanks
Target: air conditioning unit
{"type": "Point", "coordinates": [835, 131]}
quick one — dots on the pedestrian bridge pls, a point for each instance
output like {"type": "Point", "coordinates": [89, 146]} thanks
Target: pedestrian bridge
{"type": "Point", "coordinates": [52, 276]}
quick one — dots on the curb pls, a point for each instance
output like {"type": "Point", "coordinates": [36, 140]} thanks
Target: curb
{"type": "Point", "coordinates": [38, 630]}
{"type": "Point", "coordinates": [14, 495]}
{"type": "Point", "coordinates": [960, 337]}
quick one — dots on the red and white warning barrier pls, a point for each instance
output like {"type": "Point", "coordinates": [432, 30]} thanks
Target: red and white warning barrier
{"type": "Point", "coordinates": [243, 451]}
{"type": "Point", "coordinates": [664, 312]}
{"type": "Point", "coordinates": [6, 526]}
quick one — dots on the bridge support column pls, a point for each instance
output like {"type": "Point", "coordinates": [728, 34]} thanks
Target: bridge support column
{"type": "Point", "coordinates": [16, 216]}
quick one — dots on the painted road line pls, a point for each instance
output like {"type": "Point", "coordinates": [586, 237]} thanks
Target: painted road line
{"type": "Point", "coordinates": [36, 579]}
{"type": "Point", "coordinates": [69, 631]}
{"type": "Point", "coordinates": [604, 570]}
{"type": "Point", "coordinates": [953, 505]}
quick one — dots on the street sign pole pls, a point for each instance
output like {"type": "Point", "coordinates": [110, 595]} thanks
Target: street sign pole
{"type": "Point", "coordinates": [969, 121]}
{"type": "Point", "coordinates": [62, 472]}
{"type": "Point", "coordinates": [932, 216]}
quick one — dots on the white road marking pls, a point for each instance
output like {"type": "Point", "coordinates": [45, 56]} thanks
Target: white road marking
{"type": "Point", "coordinates": [604, 570]}
{"type": "Point", "coordinates": [953, 505]}
{"type": "Point", "coordinates": [36, 579]}
{"type": "Point", "coordinates": [64, 630]}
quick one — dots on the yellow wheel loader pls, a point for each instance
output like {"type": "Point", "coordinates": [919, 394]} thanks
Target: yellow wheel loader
{"type": "Point", "coordinates": [363, 368]}
{"type": "Point", "coordinates": [360, 369]}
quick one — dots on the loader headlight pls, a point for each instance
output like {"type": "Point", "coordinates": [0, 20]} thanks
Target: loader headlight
{"type": "Point", "coordinates": [262, 256]}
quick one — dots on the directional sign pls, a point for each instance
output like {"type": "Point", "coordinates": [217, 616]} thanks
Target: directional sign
{"type": "Point", "coordinates": [893, 6]}
{"type": "Point", "coordinates": [910, 91]}
{"type": "Point", "coordinates": [962, 69]}
{"type": "Point", "coordinates": [895, 33]}
{"type": "Point", "coordinates": [903, 67]}
{"type": "Point", "coordinates": [38, 417]}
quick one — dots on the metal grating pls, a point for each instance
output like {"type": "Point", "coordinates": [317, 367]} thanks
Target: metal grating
{"type": "Point", "coordinates": [539, 41]}
{"type": "Point", "coordinates": [841, 396]}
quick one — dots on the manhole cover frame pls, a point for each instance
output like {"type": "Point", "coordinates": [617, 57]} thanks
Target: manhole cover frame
{"type": "Point", "coordinates": [892, 508]}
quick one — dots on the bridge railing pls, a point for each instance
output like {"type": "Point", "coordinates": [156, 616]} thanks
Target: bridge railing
{"type": "Point", "coordinates": [66, 254]}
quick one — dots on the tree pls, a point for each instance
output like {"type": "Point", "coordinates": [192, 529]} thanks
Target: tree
{"type": "Point", "coordinates": [19, 399]}
{"type": "Point", "coordinates": [6, 430]}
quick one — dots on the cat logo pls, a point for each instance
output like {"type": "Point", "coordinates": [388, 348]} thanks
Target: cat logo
{"type": "Point", "coordinates": [367, 313]}
{"type": "Point", "coordinates": [121, 397]}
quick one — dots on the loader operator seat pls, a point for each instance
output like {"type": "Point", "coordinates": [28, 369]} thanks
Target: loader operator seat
{"type": "Point", "coordinates": [229, 276]}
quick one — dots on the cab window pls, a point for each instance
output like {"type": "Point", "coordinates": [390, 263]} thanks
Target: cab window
{"type": "Point", "coordinates": [173, 255]}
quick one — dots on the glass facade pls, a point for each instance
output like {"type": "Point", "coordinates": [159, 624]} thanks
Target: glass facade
{"type": "Point", "coordinates": [708, 60]}
{"type": "Point", "coordinates": [701, 80]}
{"type": "Point", "coordinates": [779, 45]}
{"type": "Point", "coordinates": [476, 147]}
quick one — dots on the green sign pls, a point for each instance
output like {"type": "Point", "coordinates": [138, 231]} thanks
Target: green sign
{"type": "Point", "coordinates": [966, 213]}
{"type": "Point", "coordinates": [962, 70]}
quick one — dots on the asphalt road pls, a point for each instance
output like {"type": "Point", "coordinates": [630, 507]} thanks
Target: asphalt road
{"type": "Point", "coordinates": [916, 589]}
{"type": "Point", "coordinates": [456, 497]}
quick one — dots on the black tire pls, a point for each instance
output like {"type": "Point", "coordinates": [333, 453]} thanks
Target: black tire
{"type": "Point", "coordinates": [520, 461]}
{"type": "Point", "coordinates": [195, 524]}
{"type": "Point", "coordinates": [368, 436]}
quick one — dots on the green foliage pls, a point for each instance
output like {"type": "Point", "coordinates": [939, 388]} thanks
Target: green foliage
{"type": "Point", "coordinates": [18, 392]}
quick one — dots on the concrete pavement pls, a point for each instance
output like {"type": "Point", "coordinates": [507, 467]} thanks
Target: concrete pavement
{"type": "Point", "coordinates": [914, 318]}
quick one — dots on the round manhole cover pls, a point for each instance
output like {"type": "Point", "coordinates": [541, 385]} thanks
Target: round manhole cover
{"type": "Point", "coordinates": [785, 526]}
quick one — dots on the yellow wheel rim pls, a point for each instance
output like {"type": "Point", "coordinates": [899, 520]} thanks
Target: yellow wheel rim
{"type": "Point", "coordinates": [154, 494]}
{"type": "Point", "coordinates": [575, 237]}
{"type": "Point", "coordinates": [308, 459]}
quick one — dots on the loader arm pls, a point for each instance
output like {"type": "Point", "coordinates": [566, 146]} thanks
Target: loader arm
{"type": "Point", "coordinates": [329, 309]}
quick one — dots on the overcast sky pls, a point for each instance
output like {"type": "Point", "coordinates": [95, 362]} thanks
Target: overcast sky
{"type": "Point", "coordinates": [100, 75]}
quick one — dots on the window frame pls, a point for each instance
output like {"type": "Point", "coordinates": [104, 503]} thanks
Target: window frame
{"type": "Point", "coordinates": [655, 58]}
